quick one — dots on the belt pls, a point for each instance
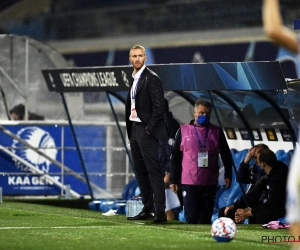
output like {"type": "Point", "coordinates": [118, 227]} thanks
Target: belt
{"type": "Point", "coordinates": [136, 123]}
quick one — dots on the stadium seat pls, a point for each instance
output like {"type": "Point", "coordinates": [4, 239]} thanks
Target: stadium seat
{"type": "Point", "coordinates": [106, 205]}
{"type": "Point", "coordinates": [117, 204]}
{"type": "Point", "coordinates": [129, 189]}
{"type": "Point", "coordinates": [281, 156]}
{"type": "Point", "coordinates": [94, 205]}
{"type": "Point", "coordinates": [226, 197]}
{"type": "Point", "coordinates": [233, 151]}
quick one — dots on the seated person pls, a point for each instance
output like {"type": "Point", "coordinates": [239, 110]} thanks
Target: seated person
{"type": "Point", "coordinates": [266, 200]}
{"type": "Point", "coordinates": [247, 175]}
{"type": "Point", "coordinates": [18, 114]}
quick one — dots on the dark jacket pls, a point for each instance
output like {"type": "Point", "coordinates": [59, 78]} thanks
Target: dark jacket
{"type": "Point", "coordinates": [248, 175]}
{"type": "Point", "coordinates": [269, 192]}
{"type": "Point", "coordinates": [165, 145]}
{"type": "Point", "coordinates": [32, 116]}
{"type": "Point", "coordinates": [149, 104]}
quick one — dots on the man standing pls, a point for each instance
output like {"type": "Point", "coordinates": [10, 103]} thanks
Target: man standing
{"type": "Point", "coordinates": [145, 125]}
{"type": "Point", "coordinates": [194, 163]}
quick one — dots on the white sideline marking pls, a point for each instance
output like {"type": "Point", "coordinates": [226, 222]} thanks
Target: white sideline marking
{"type": "Point", "coordinates": [59, 227]}
{"type": "Point", "coordinates": [140, 223]}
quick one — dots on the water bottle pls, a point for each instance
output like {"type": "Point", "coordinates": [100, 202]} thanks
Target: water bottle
{"type": "Point", "coordinates": [140, 205]}
{"type": "Point", "coordinates": [135, 204]}
{"type": "Point", "coordinates": [130, 208]}
{"type": "Point", "coordinates": [68, 192]}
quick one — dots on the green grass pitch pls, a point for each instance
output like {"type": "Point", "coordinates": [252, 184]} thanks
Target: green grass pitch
{"type": "Point", "coordinates": [37, 225]}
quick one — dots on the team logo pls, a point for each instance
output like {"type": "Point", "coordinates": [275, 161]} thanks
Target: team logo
{"type": "Point", "coordinates": [39, 139]}
{"type": "Point", "coordinates": [126, 81]}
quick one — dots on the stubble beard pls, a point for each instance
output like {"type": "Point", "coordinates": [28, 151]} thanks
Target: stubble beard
{"type": "Point", "coordinates": [138, 66]}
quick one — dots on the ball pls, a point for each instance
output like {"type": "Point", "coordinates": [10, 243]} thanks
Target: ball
{"type": "Point", "coordinates": [223, 229]}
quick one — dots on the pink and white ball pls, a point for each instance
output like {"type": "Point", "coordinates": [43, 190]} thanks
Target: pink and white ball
{"type": "Point", "coordinates": [223, 229]}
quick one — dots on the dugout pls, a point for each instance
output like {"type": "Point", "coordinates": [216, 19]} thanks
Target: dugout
{"type": "Point", "coordinates": [82, 142]}
{"type": "Point", "coordinates": [253, 102]}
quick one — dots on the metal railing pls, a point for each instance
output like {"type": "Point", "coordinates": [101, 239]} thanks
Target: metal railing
{"type": "Point", "coordinates": [110, 172]}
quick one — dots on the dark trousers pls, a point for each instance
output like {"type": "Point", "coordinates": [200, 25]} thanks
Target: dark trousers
{"type": "Point", "coordinates": [198, 203]}
{"type": "Point", "coordinates": [266, 215]}
{"type": "Point", "coordinates": [144, 151]}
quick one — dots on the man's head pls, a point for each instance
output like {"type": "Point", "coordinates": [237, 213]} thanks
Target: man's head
{"type": "Point", "coordinates": [258, 148]}
{"type": "Point", "coordinates": [202, 112]}
{"type": "Point", "coordinates": [137, 56]}
{"type": "Point", "coordinates": [266, 158]}
{"type": "Point", "coordinates": [17, 112]}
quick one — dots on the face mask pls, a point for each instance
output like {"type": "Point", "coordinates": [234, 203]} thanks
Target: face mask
{"type": "Point", "coordinates": [203, 120]}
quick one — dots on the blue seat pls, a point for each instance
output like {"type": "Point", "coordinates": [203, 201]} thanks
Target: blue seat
{"type": "Point", "coordinates": [281, 156]}
{"type": "Point", "coordinates": [233, 151]}
{"type": "Point", "coordinates": [94, 205]}
{"type": "Point", "coordinates": [129, 189]}
{"type": "Point", "coordinates": [106, 205]}
{"type": "Point", "coordinates": [227, 197]}
{"type": "Point", "coordinates": [239, 156]}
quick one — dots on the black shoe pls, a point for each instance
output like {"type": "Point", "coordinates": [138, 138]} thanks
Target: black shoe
{"type": "Point", "coordinates": [142, 216]}
{"type": "Point", "coordinates": [160, 217]}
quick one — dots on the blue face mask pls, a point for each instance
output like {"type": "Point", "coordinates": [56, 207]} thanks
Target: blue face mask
{"type": "Point", "coordinates": [203, 120]}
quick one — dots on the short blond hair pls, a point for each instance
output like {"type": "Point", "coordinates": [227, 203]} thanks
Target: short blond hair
{"type": "Point", "coordinates": [138, 47]}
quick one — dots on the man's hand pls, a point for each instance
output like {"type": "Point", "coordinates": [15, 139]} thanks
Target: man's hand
{"type": "Point", "coordinates": [227, 209]}
{"type": "Point", "coordinates": [227, 183]}
{"type": "Point", "coordinates": [242, 214]}
{"type": "Point", "coordinates": [249, 155]}
{"type": "Point", "coordinates": [167, 179]}
{"type": "Point", "coordinates": [174, 188]}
